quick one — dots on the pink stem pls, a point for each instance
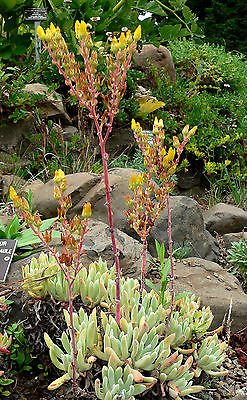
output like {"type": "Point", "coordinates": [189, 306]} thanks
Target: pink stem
{"type": "Point", "coordinates": [144, 264]}
{"type": "Point", "coordinates": [73, 332]}
{"type": "Point", "coordinates": [110, 218]}
{"type": "Point", "coordinates": [170, 242]}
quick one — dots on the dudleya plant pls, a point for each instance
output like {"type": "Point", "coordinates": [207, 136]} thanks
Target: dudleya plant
{"type": "Point", "coordinates": [138, 353]}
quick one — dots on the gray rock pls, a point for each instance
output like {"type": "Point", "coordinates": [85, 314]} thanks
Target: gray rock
{"type": "Point", "coordinates": [224, 218]}
{"type": "Point", "coordinates": [160, 57]}
{"type": "Point", "coordinates": [52, 105]}
{"type": "Point", "coordinates": [229, 238]}
{"type": "Point", "coordinates": [78, 186]}
{"type": "Point", "coordinates": [215, 286]}
{"type": "Point", "coordinates": [187, 228]}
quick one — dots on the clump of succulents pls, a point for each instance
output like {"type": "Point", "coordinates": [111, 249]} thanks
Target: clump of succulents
{"type": "Point", "coordinates": [138, 352]}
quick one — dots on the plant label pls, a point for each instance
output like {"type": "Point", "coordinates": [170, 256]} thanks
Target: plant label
{"type": "Point", "coordinates": [35, 14]}
{"type": "Point", "coordinates": [7, 249]}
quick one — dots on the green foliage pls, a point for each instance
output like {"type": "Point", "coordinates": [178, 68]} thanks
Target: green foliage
{"type": "Point", "coordinates": [26, 239]}
{"type": "Point", "coordinates": [210, 93]}
{"type": "Point", "coordinates": [15, 37]}
{"type": "Point", "coordinates": [19, 349]}
{"type": "Point", "coordinates": [140, 344]}
{"type": "Point", "coordinates": [3, 383]}
{"type": "Point", "coordinates": [237, 256]}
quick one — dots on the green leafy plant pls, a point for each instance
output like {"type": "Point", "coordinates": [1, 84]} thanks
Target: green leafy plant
{"type": "Point", "coordinates": [3, 383]}
{"type": "Point", "coordinates": [210, 93]}
{"type": "Point", "coordinates": [237, 256]}
{"type": "Point", "coordinates": [20, 353]}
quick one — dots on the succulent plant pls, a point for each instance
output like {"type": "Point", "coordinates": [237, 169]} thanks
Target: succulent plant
{"type": "Point", "coordinates": [87, 338]}
{"type": "Point", "coordinates": [57, 286]}
{"type": "Point", "coordinates": [210, 356]}
{"type": "Point", "coordinates": [93, 283]}
{"type": "Point", "coordinates": [177, 376]}
{"type": "Point", "coordinates": [36, 273]}
{"type": "Point", "coordinates": [119, 383]}
{"type": "Point", "coordinates": [189, 320]}
{"type": "Point", "coordinates": [139, 343]}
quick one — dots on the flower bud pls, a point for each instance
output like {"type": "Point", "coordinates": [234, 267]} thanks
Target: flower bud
{"type": "Point", "coordinates": [138, 33]}
{"type": "Point", "coordinates": [87, 210]}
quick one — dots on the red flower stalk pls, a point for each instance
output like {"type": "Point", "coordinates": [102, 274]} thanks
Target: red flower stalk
{"type": "Point", "coordinates": [149, 199]}
{"type": "Point", "coordinates": [89, 87]}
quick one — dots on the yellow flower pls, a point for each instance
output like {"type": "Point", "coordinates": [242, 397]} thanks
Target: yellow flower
{"type": "Point", "coordinates": [114, 45]}
{"type": "Point", "coordinates": [227, 162]}
{"type": "Point", "coordinates": [53, 29]}
{"type": "Point", "coordinates": [12, 194]}
{"type": "Point", "coordinates": [41, 33]}
{"type": "Point", "coordinates": [132, 181]}
{"type": "Point", "coordinates": [176, 142]}
{"type": "Point", "coordinates": [171, 154]}
{"type": "Point", "coordinates": [81, 30]}
{"type": "Point", "coordinates": [138, 33]}
{"type": "Point", "coordinates": [122, 41]}
{"type": "Point", "coordinates": [139, 179]}
{"type": "Point", "coordinates": [87, 210]}
{"type": "Point", "coordinates": [59, 176]}
{"type": "Point", "coordinates": [129, 38]}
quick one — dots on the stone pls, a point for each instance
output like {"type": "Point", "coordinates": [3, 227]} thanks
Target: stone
{"type": "Point", "coordinates": [229, 238]}
{"type": "Point", "coordinates": [160, 57]}
{"type": "Point", "coordinates": [187, 229]}
{"type": "Point", "coordinates": [52, 104]}
{"type": "Point", "coordinates": [12, 135]}
{"type": "Point", "coordinates": [215, 292]}
{"type": "Point", "coordinates": [225, 218]}
{"type": "Point", "coordinates": [12, 180]}
{"type": "Point", "coordinates": [78, 186]}
{"type": "Point", "coordinates": [119, 184]}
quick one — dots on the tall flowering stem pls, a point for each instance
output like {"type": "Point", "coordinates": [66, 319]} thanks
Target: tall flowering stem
{"type": "Point", "coordinates": [149, 198]}
{"type": "Point", "coordinates": [72, 238]}
{"type": "Point", "coordinates": [99, 93]}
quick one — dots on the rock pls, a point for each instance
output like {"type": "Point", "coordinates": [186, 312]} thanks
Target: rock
{"type": "Point", "coordinates": [160, 57]}
{"type": "Point", "coordinates": [215, 286]}
{"type": "Point", "coordinates": [187, 219]}
{"type": "Point", "coordinates": [78, 186]}
{"type": "Point", "coordinates": [69, 131]}
{"type": "Point", "coordinates": [12, 134]}
{"type": "Point", "coordinates": [97, 244]}
{"type": "Point", "coordinates": [224, 218]}
{"type": "Point", "coordinates": [119, 183]}
{"type": "Point", "coordinates": [13, 180]}
{"type": "Point", "coordinates": [51, 105]}
{"type": "Point", "coordinates": [187, 229]}
{"type": "Point", "coordinates": [229, 238]}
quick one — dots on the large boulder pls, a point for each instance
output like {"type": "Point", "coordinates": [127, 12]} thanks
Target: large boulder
{"type": "Point", "coordinates": [160, 57]}
{"type": "Point", "coordinates": [215, 286]}
{"type": "Point", "coordinates": [187, 219]}
{"type": "Point", "coordinates": [51, 105]}
{"type": "Point", "coordinates": [225, 218]}
{"type": "Point", "coordinates": [187, 229]}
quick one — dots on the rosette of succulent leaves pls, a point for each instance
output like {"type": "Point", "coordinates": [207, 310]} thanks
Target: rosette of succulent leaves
{"type": "Point", "coordinates": [140, 351]}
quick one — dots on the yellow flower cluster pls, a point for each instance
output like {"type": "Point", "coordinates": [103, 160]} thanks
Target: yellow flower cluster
{"type": "Point", "coordinates": [19, 202]}
{"type": "Point", "coordinates": [135, 180]}
{"type": "Point", "coordinates": [81, 30]}
{"type": "Point", "coordinates": [49, 33]}
{"type": "Point", "coordinates": [125, 39]}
